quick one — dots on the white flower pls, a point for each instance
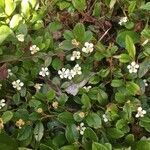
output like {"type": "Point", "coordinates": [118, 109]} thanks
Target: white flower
{"type": "Point", "coordinates": [133, 67]}
{"type": "Point", "coordinates": [2, 103]}
{"type": "Point", "coordinates": [55, 104]}
{"type": "Point", "coordinates": [0, 86]}
{"type": "Point", "coordinates": [75, 42]}
{"type": "Point", "coordinates": [38, 86]}
{"type": "Point", "coordinates": [17, 84]}
{"type": "Point", "coordinates": [20, 37]}
{"type": "Point", "coordinates": [75, 55]}
{"type": "Point", "coordinates": [140, 112]}
{"type": "Point", "coordinates": [88, 48]}
{"type": "Point", "coordinates": [44, 72]}
{"type": "Point", "coordinates": [81, 128]}
{"type": "Point", "coordinates": [62, 73]}
{"type": "Point", "coordinates": [105, 118]}
{"type": "Point", "coordinates": [9, 73]}
{"type": "Point", "coordinates": [123, 20]}
{"type": "Point", "coordinates": [87, 88]}
{"type": "Point", "coordinates": [70, 74]}
{"type": "Point", "coordinates": [77, 69]}
{"type": "Point", "coordinates": [145, 82]}
{"type": "Point", "coordinates": [34, 49]}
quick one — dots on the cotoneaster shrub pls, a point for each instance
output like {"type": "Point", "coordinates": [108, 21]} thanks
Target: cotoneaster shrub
{"type": "Point", "coordinates": [74, 75]}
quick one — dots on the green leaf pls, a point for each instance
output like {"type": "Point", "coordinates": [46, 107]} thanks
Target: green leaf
{"type": "Point", "coordinates": [85, 101]}
{"type": "Point", "coordinates": [71, 133]}
{"type": "Point", "coordinates": [97, 9]}
{"type": "Point", "coordinates": [116, 83]}
{"type": "Point", "coordinates": [98, 146]}
{"type": "Point", "coordinates": [130, 47]}
{"type": "Point", "coordinates": [93, 120]}
{"type": "Point", "coordinates": [51, 95]}
{"type": "Point", "coordinates": [25, 8]}
{"type": "Point", "coordinates": [124, 58]}
{"type": "Point", "coordinates": [146, 33]}
{"type": "Point", "coordinates": [66, 45]}
{"type": "Point", "coordinates": [133, 88]}
{"type": "Point", "coordinates": [79, 32]}
{"type": "Point", "coordinates": [131, 7]}
{"type": "Point", "coordinates": [57, 64]}
{"type": "Point", "coordinates": [144, 67]}
{"type": "Point", "coordinates": [80, 5]}
{"type": "Point", "coordinates": [7, 143]}
{"type": "Point", "coordinates": [121, 37]}
{"type": "Point", "coordinates": [68, 147]}
{"type": "Point", "coordinates": [38, 131]}
{"type": "Point", "coordinates": [10, 6]}
{"type": "Point", "coordinates": [143, 145]}
{"type": "Point", "coordinates": [120, 97]}
{"type": "Point", "coordinates": [14, 22]}
{"type": "Point", "coordinates": [88, 36]}
{"type": "Point", "coordinates": [7, 116]}
{"type": "Point", "coordinates": [66, 118]}
{"type": "Point", "coordinates": [114, 133]}
{"type": "Point", "coordinates": [102, 97]}
{"type": "Point", "coordinates": [24, 133]}
{"type": "Point", "coordinates": [90, 134]}
{"type": "Point", "coordinates": [55, 26]}
{"type": "Point", "coordinates": [146, 6]}
{"type": "Point", "coordinates": [2, 3]}
{"type": "Point", "coordinates": [63, 5]}
{"type": "Point", "coordinates": [5, 31]}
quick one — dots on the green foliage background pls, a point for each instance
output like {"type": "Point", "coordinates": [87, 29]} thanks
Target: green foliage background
{"type": "Point", "coordinates": [52, 25]}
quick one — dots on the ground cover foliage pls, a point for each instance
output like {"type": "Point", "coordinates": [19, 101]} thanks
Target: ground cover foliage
{"type": "Point", "coordinates": [74, 75]}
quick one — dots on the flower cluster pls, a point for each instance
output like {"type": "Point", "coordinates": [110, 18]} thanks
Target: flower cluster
{"type": "Point", "coordinates": [140, 112]}
{"type": "Point", "coordinates": [55, 104]}
{"type": "Point", "coordinates": [34, 49]}
{"type": "Point", "coordinates": [133, 67]}
{"type": "Point", "coordinates": [88, 47]}
{"type": "Point", "coordinates": [2, 103]}
{"type": "Point", "coordinates": [44, 72]}
{"type": "Point", "coordinates": [20, 123]}
{"type": "Point", "coordinates": [17, 84]}
{"type": "Point", "coordinates": [81, 128]}
{"type": "Point", "coordinates": [67, 73]}
{"type": "Point", "coordinates": [38, 86]}
{"type": "Point", "coordinates": [75, 42]}
{"type": "Point", "coordinates": [123, 20]}
{"type": "Point", "coordinates": [75, 55]}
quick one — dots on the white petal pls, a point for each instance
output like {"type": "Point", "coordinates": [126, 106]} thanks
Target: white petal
{"type": "Point", "coordinates": [72, 58]}
{"type": "Point", "coordinates": [21, 84]}
{"type": "Point", "coordinates": [133, 63]}
{"type": "Point", "coordinates": [137, 66]}
{"type": "Point", "coordinates": [86, 44]}
{"type": "Point", "coordinates": [81, 132]}
{"type": "Point", "coordinates": [129, 66]}
{"type": "Point", "coordinates": [81, 124]}
{"type": "Point", "coordinates": [144, 112]}
{"type": "Point", "coordinates": [84, 50]}
{"type": "Point", "coordinates": [137, 115]}
{"type": "Point", "coordinates": [139, 109]}
{"type": "Point", "coordinates": [130, 70]}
